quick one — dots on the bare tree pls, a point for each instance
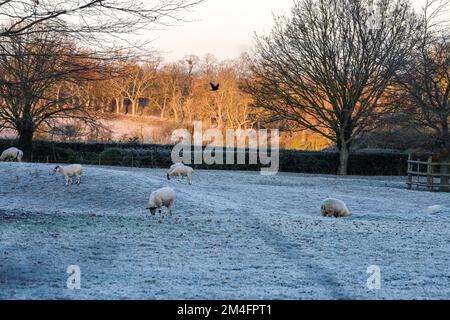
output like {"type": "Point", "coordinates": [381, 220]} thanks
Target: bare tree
{"type": "Point", "coordinates": [424, 82]}
{"type": "Point", "coordinates": [326, 67]}
{"type": "Point", "coordinates": [30, 70]}
{"type": "Point", "coordinates": [138, 82]}
{"type": "Point", "coordinates": [32, 65]}
{"type": "Point", "coordinates": [175, 88]}
{"type": "Point", "coordinates": [90, 18]}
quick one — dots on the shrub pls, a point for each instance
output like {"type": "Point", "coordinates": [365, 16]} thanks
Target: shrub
{"type": "Point", "coordinates": [112, 156]}
{"type": "Point", "coordinates": [151, 156]}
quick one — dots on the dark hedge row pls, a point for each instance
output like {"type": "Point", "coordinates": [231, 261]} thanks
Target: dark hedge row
{"type": "Point", "coordinates": [159, 156]}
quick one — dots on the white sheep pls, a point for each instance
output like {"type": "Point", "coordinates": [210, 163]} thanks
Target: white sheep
{"type": "Point", "coordinates": [12, 154]}
{"type": "Point", "coordinates": [174, 166]}
{"type": "Point", "coordinates": [68, 172]}
{"type": "Point", "coordinates": [435, 209]}
{"type": "Point", "coordinates": [164, 197]}
{"type": "Point", "coordinates": [180, 170]}
{"type": "Point", "coordinates": [334, 208]}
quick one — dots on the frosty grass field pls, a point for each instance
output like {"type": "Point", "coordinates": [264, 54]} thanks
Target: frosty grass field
{"type": "Point", "coordinates": [234, 235]}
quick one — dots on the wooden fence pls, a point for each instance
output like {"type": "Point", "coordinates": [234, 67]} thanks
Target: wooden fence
{"type": "Point", "coordinates": [434, 176]}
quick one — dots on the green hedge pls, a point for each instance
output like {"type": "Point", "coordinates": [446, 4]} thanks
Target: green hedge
{"type": "Point", "coordinates": [159, 156]}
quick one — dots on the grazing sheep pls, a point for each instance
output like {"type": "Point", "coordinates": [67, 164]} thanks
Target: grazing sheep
{"type": "Point", "coordinates": [164, 197]}
{"type": "Point", "coordinates": [181, 170]}
{"type": "Point", "coordinates": [173, 167]}
{"type": "Point", "coordinates": [12, 154]}
{"type": "Point", "coordinates": [68, 172]}
{"type": "Point", "coordinates": [334, 208]}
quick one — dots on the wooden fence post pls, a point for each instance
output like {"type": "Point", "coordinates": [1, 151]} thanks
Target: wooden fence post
{"type": "Point", "coordinates": [410, 176]}
{"type": "Point", "coordinates": [444, 177]}
{"type": "Point", "coordinates": [430, 174]}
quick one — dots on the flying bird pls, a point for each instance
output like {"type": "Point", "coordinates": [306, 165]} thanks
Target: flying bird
{"type": "Point", "coordinates": [214, 87]}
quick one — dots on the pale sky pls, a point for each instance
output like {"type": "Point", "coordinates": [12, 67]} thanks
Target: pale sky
{"type": "Point", "coordinates": [224, 28]}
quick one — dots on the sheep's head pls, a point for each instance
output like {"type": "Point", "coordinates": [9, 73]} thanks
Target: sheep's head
{"type": "Point", "coordinates": [153, 210]}
{"type": "Point", "coordinates": [57, 169]}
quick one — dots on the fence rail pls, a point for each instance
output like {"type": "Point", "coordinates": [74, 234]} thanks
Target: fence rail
{"type": "Point", "coordinates": [434, 176]}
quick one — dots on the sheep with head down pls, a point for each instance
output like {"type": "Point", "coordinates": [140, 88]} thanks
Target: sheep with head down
{"type": "Point", "coordinates": [12, 154]}
{"type": "Point", "coordinates": [180, 170]}
{"type": "Point", "coordinates": [334, 208]}
{"type": "Point", "coordinates": [172, 167]}
{"type": "Point", "coordinates": [164, 197]}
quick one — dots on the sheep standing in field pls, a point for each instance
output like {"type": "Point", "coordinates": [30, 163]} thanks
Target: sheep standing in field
{"type": "Point", "coordinates": [164, 197]}
{"type": "Point", "coordinates": [180, 170]}
{"type": "Point", "coordinates": [12, 154]}
{"type": "Point", "coordinates": [174, 166]}
{"type": "Point", "coordinates": [334, 208]}
{"type": "Point", "coordinates": [68, 172]}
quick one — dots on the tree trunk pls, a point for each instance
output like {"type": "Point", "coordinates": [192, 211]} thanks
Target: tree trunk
{"type": "Point", "coordinates": [175, 111]}
{"type": "Point", "coordinates": [343, 160]}
{"type": "Point", "coordinates": [343, 145]}
{"type": "Point", "coordinates": [133, 107]}
{"type": "Point", "coordinates": [26, 142]}
{"type": "Point", "coordinates": [119, 104]}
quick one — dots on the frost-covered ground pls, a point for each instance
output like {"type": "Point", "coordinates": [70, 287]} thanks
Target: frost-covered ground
{"type": "Point", "coordinates": [234, 235]}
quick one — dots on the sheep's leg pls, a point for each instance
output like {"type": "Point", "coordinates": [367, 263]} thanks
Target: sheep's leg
{"type": "Point", "coordinates": [78, 180]}
{"type": "Point", "coordinates": [169, 209]}
{"type": "Point", "coordinates": [67, 181]}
